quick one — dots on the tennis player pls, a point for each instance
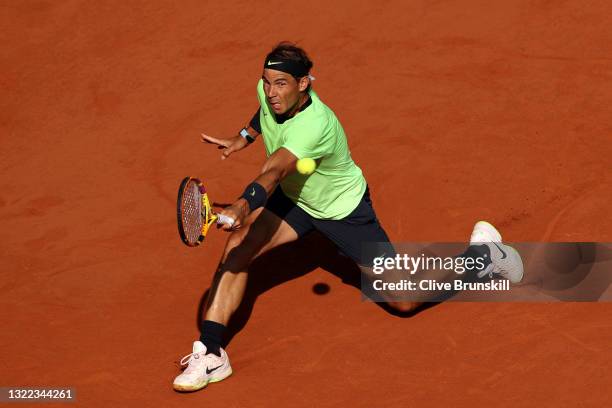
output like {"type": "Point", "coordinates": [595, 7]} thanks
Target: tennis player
{"type": "Point", "coordinates": [282, 205]}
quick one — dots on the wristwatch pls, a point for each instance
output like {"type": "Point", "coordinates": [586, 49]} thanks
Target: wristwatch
{"type": "Point", "coordinates": [245, 133]}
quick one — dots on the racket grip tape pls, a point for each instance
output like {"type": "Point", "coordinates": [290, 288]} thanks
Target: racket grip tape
{"type": "Point", "coordinates": [224, 219]}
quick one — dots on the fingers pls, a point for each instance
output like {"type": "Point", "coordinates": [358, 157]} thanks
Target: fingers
{"type": "Point", "coordinates": [226, 219]}
{"type": "Point", "coordinates": [227, 227]}
{"type": "Point", "coordinates": [228, 222]}
{"type": "Point", "coordinates": [210, 139]}
{"type": "Point", "coordinates": [229, 146]}
{"type": "Point", "coordinates": [227, 152]}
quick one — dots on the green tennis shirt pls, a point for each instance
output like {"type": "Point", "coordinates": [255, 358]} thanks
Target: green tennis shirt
{"type": "Point", "coordinates": [337, 185]}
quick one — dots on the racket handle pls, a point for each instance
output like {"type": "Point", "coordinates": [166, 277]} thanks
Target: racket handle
{"type": "Point", "coordinates": [224, 219]}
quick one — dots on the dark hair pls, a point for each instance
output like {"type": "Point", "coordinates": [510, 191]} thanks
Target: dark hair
{"type": "Point", "coordinates": [290, 51]}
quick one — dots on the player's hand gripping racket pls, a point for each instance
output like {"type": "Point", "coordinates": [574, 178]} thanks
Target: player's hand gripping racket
{"type": "Point", "coordinates": [194, 212]}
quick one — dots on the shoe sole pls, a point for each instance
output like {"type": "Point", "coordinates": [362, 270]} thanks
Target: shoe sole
{"type": "Point", "coordinates": [188, 388]}
{"type": "Point", "coordinates": [517, 260]}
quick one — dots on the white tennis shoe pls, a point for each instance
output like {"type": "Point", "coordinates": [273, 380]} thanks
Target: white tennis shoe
{"type": "Point", "coordinates": [505, 260]}
{"type": "Point", "coordinates": [485, 232]}
{"type": "Point", "coordinates": [202, 369]}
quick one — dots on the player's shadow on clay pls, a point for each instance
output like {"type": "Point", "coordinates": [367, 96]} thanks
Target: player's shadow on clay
{"type": "Point", "coordinates": [290, 261]}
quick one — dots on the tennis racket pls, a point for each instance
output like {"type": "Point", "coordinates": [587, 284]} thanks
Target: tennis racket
{"type": "Point", "coordinates": [194, 213]}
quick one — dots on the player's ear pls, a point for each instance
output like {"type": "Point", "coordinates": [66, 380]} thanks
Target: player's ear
{"type": "Point", "coordinates": [303, 83]}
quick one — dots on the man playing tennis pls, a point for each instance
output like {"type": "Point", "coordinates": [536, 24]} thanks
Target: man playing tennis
{"type": "Point", "coordinates": [282, 205]}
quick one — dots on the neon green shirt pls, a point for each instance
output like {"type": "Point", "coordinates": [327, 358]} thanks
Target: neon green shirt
{"type": "Point", "coordinates": [335, 188]}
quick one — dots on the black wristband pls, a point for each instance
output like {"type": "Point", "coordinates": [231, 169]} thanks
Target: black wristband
{"type": "Point", "coordinates": [255, 195]}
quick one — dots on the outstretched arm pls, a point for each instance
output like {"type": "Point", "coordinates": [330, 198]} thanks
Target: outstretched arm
{"type": "Point", "coordinates": [238, 142]}
{"type": "Point", "coordinates": [231, 145]}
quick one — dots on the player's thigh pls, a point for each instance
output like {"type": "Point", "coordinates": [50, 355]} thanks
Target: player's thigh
{"type": "Point", "coordinates": [279, 231]}
{"type": "Point", "coordinates": [261, 234]}
{"type": "Point", "coordinates": [359, 235]}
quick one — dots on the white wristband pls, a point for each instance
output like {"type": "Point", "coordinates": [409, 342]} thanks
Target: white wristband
{"type": "Point", "coordinates": [245, 133]}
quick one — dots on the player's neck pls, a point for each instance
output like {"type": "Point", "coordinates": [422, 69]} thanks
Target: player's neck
{"type": "Point", "coordinates": [298, 105]}
{"type": "Point", "coordinates": [303, 102]}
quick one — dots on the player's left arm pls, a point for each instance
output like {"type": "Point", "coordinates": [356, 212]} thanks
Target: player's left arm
{"type": "Point", "coordinates": [279, 165]}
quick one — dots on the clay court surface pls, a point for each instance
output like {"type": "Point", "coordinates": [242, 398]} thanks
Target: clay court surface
{"type": "Point", "coordinates": [455, 111]}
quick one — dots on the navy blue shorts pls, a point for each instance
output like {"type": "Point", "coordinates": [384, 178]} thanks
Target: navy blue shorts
{"type": "Point", "coordinates": [349, 234]}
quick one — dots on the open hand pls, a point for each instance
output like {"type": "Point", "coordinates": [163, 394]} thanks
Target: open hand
{"type": "Point", "coordinates": [229, 146]}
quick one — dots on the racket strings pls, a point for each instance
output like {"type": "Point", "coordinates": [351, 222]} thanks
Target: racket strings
{"type": "Point", "coordinates": [192, 212]}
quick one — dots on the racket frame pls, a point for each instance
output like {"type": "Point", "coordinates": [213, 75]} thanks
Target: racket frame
{"type": "Point", "coordinates": [208, 217]}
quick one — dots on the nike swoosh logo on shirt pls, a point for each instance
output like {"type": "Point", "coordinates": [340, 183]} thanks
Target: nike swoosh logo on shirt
{"type": "Point", "coordinates": [501, 250]}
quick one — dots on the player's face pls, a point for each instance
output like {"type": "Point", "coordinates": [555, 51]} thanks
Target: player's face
{"type": "Point", "coordinates": [282, 90]}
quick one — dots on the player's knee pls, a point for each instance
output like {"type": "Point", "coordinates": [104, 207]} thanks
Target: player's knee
{"type": "Point", "coordinates": [404, 307]}
{"type": "Point", "coordinates": [241, 248]}
{"type": "Point", "coordinates": [235, 239]}
{"type": "Point", "coordinates": [242, 241]}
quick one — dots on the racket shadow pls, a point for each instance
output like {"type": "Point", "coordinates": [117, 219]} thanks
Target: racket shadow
{"type": "Point", "coordinates": [291, 261]}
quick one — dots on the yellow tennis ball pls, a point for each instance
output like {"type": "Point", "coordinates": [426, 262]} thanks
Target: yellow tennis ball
{"type": "Point", "coordinates": [306, 166]}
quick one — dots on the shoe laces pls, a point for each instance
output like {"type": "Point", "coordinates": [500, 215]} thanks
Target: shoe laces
{"type": "Point", "coordinates": [192, 357]}
{"type": "Point", "coordinates": [492, 269]}
{"type": "Point", "coordinates": [197, 359]}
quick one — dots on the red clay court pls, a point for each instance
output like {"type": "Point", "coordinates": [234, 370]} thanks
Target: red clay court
{"type": "Point", "coordinates": [455, 111]}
